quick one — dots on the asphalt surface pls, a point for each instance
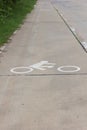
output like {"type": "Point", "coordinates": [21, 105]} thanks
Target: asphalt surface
{"type": "Point", "coordinates": [43, 71]}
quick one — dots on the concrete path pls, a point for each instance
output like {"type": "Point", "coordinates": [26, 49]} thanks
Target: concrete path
{"type": "Point", "coordinates": [43, 75]}
{"type": "Point", "coordinates": [74, 12]}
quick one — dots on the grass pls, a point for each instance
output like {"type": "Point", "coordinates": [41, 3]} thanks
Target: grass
{"type": "Point", "coordinates": [12, 22]}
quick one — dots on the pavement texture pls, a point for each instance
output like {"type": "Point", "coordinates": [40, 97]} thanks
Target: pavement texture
{"type": "Point", "coordinates": [74, 13]}
{"type": "Point", "coordinates": [43, 73]}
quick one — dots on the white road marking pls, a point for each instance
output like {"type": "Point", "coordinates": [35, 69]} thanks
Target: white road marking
{"type": "Point", "coordinates": [40, 66]}
{"type": "Point", "coordinates": [61, 69]}
{"type": "Point", "coordinates": [17, 70]}
{"type": "Point", "coordinates": [43, 65]}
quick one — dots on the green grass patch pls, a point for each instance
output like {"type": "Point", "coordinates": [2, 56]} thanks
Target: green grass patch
{"type": "Point", "coordinates": [9, 24]}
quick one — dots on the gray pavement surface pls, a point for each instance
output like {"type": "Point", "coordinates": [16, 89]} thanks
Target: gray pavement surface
{"type": "Point", "coordinates": [48, 90]}
{"type": "Point", "coordinates": [75, 14]}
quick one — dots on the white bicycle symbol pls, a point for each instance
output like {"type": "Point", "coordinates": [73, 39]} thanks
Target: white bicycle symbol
{"type": "Point", "coordinates": [29, 69]}
{"type": "Point", "coordinates": [42, 66]}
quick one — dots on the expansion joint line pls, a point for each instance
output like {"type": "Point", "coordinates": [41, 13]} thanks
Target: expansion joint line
{"type": "Point", "coordinates": [73, 31]}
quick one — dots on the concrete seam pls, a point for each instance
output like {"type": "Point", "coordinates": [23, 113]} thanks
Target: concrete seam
{"type": "Point", "coordinates": [73, 31]}
{"type": "Point", "coordinates": [37, 75]}
{"type": "Point", "coordinates": [84, 46]}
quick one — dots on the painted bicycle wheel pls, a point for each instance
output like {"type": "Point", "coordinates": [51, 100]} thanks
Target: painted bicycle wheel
{"type": "Point", "coordinates": [21, 70]}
